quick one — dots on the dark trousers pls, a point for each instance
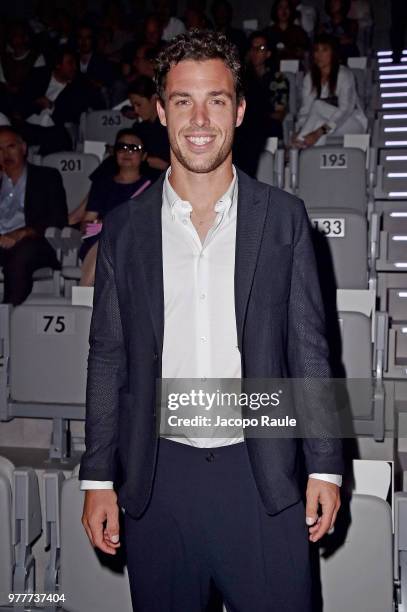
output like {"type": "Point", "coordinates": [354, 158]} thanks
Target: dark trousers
{"type": "Point", "coordinates": [20, 262]}
{"type": "Point", "coordinates": [206, 537]}
{"type": "Point", "coordinates": [398, 27]}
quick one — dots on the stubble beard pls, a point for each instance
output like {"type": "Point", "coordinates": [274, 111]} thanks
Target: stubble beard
{"type": "Point", "coordinates": [207, 164]}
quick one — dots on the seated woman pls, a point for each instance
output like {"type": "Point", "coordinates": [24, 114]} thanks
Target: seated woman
{"type": "Point", "coordinates": [107, 192]}
{"type": "Point", "coordinates": [330, 104]}
{"type": "Point", "coordinates": [152, 134]}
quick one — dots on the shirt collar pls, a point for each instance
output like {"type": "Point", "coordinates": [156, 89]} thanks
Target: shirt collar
{"type": "Point", "coordinates": [20, 181]}
{"type": "Point", "coordinates": [223, 205]}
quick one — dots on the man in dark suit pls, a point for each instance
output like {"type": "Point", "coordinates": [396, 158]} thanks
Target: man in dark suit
{"type": "Point", "coordinates": [210, 275]}
{"type": "Point", "coordinates": [32, 198]}
{"type": "Point", "coordinates": [50, 99]}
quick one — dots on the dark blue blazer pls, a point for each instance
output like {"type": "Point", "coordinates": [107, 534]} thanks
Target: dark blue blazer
{"type": "Point", "coordinates": [280, 329]}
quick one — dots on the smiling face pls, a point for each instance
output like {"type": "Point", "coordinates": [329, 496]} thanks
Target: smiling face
{"type": "Point", "coordinates": [201, 113]}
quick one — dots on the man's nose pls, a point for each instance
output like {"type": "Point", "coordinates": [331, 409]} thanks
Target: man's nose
{"type": "Point", "coordinates": [200, 115]}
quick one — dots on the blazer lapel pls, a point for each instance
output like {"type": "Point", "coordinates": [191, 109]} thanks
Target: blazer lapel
{"type": "Point", "coordinates": [146, 220]}
{"type": "Point", "coordinates": [251, 214]}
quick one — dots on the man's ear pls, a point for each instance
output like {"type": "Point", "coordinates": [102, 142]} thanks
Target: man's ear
{"type": "Point", "coordinates": [241, 107]}
{"type": "Point", "coordinates": [161, 112]}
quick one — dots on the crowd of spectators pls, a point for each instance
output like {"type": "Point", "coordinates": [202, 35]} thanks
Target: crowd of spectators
{"type": "Point", "coordinates": [63, 63]}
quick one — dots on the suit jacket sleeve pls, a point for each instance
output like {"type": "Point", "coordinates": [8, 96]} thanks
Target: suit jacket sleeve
{"type": "Point", "coordinates": [308, 359]}
{"type": "Point", "coordinates": [106, 372]}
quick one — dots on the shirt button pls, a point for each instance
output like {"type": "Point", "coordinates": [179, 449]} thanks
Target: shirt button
{"type": "Point", "coordinates": [202, 296]}
{"type": "Point", "coordinates": [184, 221]}
{"type": "Point", "coordinates": [203, 338]}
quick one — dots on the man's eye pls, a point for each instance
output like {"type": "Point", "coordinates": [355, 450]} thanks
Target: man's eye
{"type": "Point", "coordinates": [218, 101]}
{"type": "Point", "coordinates": [181, 102]}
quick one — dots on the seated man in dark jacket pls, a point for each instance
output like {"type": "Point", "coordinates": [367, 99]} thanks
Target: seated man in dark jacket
{"type": "Point", "coordinates": [50, 99]}
{"type": "Point", "coordinates": [32, 198]}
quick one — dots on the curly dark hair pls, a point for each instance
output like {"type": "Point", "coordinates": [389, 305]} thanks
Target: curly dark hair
{"type": "Point", "coordinates": [198, 45]}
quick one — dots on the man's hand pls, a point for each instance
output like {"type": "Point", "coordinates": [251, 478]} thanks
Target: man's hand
{"type": "Point", "coordinates": [100, 506]}
{"type": "Point", "coordinates": [7, 242]}
{"type": "Point", "coordinates": [326, 495]}
{"type": "Point", "coordinates": [43, 102]}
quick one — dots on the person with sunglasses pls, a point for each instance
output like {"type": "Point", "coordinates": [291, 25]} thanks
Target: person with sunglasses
{"type": "Point", "coordinates": [266, 93]}
{"type": "Point", "coordinates": [108, 191]}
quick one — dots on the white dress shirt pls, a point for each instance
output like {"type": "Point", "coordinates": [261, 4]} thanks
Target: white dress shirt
{"type": "Point", "coordinates": [200, 337]}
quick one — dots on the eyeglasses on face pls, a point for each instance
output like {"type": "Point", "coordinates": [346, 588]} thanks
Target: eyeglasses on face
{"type": "Point", "coordinates": [129, 148]}
{"type": "Point", "coordinates": [259, 48]}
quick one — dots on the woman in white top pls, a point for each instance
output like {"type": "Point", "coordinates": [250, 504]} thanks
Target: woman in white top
{"type": "Point", "coordinates": [330, 103]}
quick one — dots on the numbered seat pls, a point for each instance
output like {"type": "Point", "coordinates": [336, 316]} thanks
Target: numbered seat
{"type": "Point", "coordinates": [357, 560]}
{"type": "Point", "coordinates": [341, 245]}
{"type": "Point", "coordinates": [46, 349]}
{"type": "Point", "coordinates": [330, 177]}
{"type": "Point", "coordinates": [102, 126]}
{"type": "Point", "coordinates": [48, 353]}
{"type": "Point", "coordinates": [75, 169]}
